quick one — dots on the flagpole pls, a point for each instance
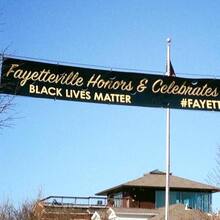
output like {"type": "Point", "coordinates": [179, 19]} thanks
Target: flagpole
{"type": "Point", "coordinates": [167, 192]}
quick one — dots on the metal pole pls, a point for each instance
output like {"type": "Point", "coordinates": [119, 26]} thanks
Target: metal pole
{"type": "Point", "coordinates": [167, 140]}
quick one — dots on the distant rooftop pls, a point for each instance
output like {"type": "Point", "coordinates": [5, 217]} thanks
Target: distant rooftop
{"type": "Point", "coordinates": [157, 179]}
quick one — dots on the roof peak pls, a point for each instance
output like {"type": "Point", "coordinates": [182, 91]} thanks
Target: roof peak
{"type": "Point", "coordinates": [157, 172]}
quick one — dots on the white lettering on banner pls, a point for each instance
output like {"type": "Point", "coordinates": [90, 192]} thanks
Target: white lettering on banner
{"type": "Point", "coordinates": [120, 98]}
{"type": "Point", "coordinates": [52, 91]}
{"type": "Point", "coordinates": [200, 104]}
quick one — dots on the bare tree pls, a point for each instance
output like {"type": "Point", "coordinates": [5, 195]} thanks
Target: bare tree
{"type": "Point", "coordinates": [6, 104]}
{"type": "Point", "coordinates": [213, 176]}
{"type": "Point", "coordinates": [6, 101]}
{"type": "Point", "coordinates": [6, 108]}
{"type": "Point", "coordinates": [9, 212]}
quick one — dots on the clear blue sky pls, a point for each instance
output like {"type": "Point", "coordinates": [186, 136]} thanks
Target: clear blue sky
{"type": "Point", "coordinates": [78, 149]}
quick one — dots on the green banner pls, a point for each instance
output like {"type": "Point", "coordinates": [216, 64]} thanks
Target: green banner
{"type": "Point", "coordinates": [46, 80]}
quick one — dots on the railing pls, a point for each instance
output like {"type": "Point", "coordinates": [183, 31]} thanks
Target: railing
{"type": "Point", "coordinates": [75, 201]}
{"type": "Point", "coordinates": [95, 202]}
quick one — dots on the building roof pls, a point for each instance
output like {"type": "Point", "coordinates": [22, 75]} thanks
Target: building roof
{"type": "Point", "coordinates": [178, 211]}
{"type": "Point", "coordinates": [136, 211]}
{"type": "Point", "coordinates": [125, 213]}
{"type": "Point", "coordinates": [131, 213]}
{"type": "Point", "coordinates": [157, 179]}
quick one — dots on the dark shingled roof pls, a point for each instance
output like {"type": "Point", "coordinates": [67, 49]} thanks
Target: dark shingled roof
{"type": "Point", "coordinates": [157, 179]}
